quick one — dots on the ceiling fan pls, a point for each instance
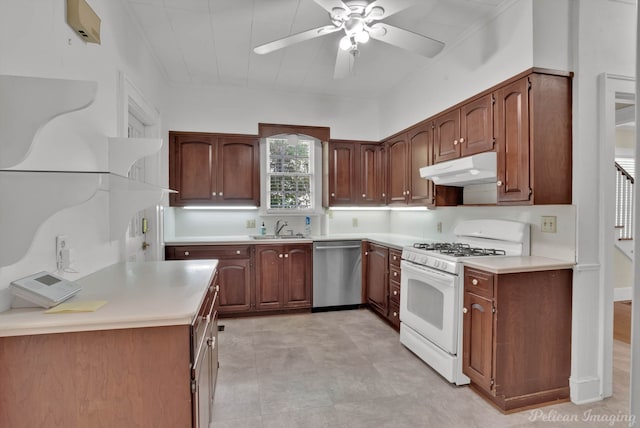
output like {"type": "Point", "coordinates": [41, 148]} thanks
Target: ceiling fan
{"type": "Point", "coordinates": [358, 20]}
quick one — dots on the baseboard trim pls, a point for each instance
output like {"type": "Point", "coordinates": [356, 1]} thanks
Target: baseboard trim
{"type": "Point", "coordinates": [585, 390]}
{"type": "Point", "coordinates": [622, 293]}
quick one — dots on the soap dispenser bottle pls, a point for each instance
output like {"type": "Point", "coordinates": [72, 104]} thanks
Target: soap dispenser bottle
{"type": "Point", "coordinates": [263, 229]}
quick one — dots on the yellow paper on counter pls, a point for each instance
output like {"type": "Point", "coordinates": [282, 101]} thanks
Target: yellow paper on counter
{"type": "Point", "coordinates": [79, 306]}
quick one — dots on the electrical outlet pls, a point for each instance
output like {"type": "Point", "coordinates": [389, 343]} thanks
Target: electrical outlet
{"type": "Point", "coordinates": [62, 252]}
{"type": "Point", "coordinates": [354, 222]}
{"type": "Point", "coordinates": [439, 227]}
{"type": "Point", "coordinates": [548, 223]}
{"type": "Point", "coordinates": [251, 223]}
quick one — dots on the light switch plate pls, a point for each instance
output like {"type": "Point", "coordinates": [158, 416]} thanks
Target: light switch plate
{"type": "Point", "coordinates": [251, 223]}
{"type": "Point", "coordinates": [548, 223]}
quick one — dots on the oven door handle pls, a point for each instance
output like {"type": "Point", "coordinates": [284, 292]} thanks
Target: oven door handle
{"type": "Point", "coordinates": [424, 270]}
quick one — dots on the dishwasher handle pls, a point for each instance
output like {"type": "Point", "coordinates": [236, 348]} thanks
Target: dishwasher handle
{"type": "Point", "coordinates": [339, 247]}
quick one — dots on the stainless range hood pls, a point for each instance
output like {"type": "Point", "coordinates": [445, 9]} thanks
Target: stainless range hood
{"type": "Point", "coordinates": [475, 169]}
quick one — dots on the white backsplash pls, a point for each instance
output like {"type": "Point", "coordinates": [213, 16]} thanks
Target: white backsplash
{"type": "Point", "coordinates": [181, 223]}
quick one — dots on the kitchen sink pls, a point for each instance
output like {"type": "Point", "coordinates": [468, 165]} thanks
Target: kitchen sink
{"type": "Point", "coordinates": [261, 237]}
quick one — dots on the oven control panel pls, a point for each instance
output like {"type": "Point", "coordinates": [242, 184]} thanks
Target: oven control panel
{"type": "Point", "coordinates": [423, 259]}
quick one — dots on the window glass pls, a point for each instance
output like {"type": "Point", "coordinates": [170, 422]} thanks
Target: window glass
{"type": "Point", "coordinates": [290, 173]}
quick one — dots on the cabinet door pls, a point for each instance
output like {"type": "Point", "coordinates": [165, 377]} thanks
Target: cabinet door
{"type": "Point", "coordinates": [372, 179]}
{"type": "Point", "coordinates": [377, 277]}
{"type": "Point", "coordinates": [476, 126]}
{"type": "Point", "coordinates": [398, 159]}
{"type": "Point", "coordinates": [477, 347]}
{"type": "Point", "coordinates": [512, 141]}
{"type": "Point", "coordinates": [446, 138]}
{"type": "Point", "coordinates": [191, 168]}
{"type": "Point", "coordinates": [238, 170]}
{"type": "Point", "coordinates": [269, 277]}
{"type": "Point", "coordinates": [297, 276]}
{"type": "Point", "coordinates": [235, 285]}
{"type": "Point", "coordinates": [420, 146]}
{"type": "Point", "coordinates": [342, 173]}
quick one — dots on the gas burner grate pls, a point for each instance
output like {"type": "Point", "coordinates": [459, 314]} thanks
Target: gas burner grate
{"type": "Point", "coordinates": [457, 249]}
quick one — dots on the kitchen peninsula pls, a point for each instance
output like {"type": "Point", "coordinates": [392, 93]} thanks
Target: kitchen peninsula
{"type": "Point", "coordinates": [146, 358]}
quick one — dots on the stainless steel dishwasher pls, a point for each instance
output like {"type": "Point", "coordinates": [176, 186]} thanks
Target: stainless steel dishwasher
{"type": "Point", "coordinates": [337, 279]}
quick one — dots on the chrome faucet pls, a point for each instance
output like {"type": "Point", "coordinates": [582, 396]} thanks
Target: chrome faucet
{"type": "Point", "coordinates": [279, 226]}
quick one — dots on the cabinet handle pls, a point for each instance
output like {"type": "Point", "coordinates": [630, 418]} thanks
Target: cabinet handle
{"type": "Point", "coordinates": [286, 256]}
{"type": "Point", "coordinates": [499, 183]}
{"type": "Point", "coordinates": [186, 253]}
{"type": "Point", "coordinates": [237, 251]}
{"type": "Point", "coordinates": [455, 142]}
{"type": "Point", "coordinates": [213, 194]}
{"type": "Point", "coordinates": [474, 281]}
{"type": "Point", "coordinates": [461, 140]}
{"type": "Point", "coordinates": [280, 255]}
{"type": "Point", "coordinates": [464, 310]}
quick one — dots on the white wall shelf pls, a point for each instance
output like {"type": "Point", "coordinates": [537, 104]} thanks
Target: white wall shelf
{"type": "Point", "coordinates": [28, 103]}
{"type": "Point", "coordinates": [123, 152]}
{"type": "Point", "coordinates": [31, 197]}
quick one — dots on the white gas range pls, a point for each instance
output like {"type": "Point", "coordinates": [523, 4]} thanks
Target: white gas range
{"type": "Point", "coordinates": [432, 289]}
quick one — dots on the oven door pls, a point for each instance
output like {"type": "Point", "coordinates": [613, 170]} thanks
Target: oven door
{"type": "Point", "coordinates": [428, 304]}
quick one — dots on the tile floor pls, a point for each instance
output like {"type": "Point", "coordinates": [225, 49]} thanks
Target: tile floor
{"type": "Point", "coordinates": [348, 369]}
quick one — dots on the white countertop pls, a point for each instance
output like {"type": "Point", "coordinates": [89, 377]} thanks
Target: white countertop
{"type": "Point", "coordinates": [139, 294]}
{"type": "Point", "coordinates": [389, 239]}
{"type": "Point", "coordinates": [515, 264]}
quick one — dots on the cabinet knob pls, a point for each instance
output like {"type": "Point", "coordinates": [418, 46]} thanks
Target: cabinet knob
{"type": "Point", "coordinates": [499, 183]}
{"type": "Point", "coordinates": [333, 195]}
{"type": "Point", "coordinates": [217, 288]}
{"type": "Point", "coordinates": [464, 310]}
{"type": "Point", "coordinates": [461, 140]}
{"type": "Point", "coordinates": [455, 142]}
{"type": "Point", "coordinates": [395, 258]}
{"type": "Point", "coordinates": [474, 281]}
{"type": "Point", "coordinates": [220, 193]}
{"type": "Point", "coordinates": [384, 195]}
{"type": "Point", "coordinates": [395, 292]}
{"type": "Point", "coordinates": [364, 195]}
{"type": "Point", "coordinates": [237, 251]}
{"type": "Point", "coordinates": [286, 256]}
{"type": "Point", "coordinates": [395, 314]}
{"type": "Point", "coordinates": [213, 194]}
{"type": "Point", "coordinates": [366, 253]}
{"type": "Point", "coordinates": [280, 255]}
{"type": "Point", "coordinates": [395, 274]}
{"type": "Point", "coordinates": [186, 253]}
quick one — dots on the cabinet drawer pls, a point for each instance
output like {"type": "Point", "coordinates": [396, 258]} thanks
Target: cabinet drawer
{"type": "Point", "coordinates": [208, 252]}
{"type": "Point", "coordinates": [394, 258]}
{"type": "Point", "coordinates": [394, 292]}
{"type": "Point", "coordinates": [394, 273]}
{"type": "Point", "coordinates": [394, 314]}
{"type": "Point", "coordinates": [478, 282]}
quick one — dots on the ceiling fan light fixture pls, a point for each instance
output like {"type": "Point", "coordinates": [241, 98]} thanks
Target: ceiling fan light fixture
{"type": "Point", "coordinates": [362, 37]}
{"type": "Point", "coordinates": [345, 43]}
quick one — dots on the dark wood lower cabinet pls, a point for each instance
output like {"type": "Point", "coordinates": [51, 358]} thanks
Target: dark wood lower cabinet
{"type": "Point", "coordinates": [517, 336]}
{"type": "Point", "coordinates": [381, 279]}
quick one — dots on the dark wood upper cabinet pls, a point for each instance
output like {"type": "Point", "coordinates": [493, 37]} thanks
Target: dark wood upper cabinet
{"type": "Point", "coordinates": [372, 180]}
{"type": "Point", "coordinates": [214, 169]}
{"type": "Point", "coordinates": [397, 169]}
{"type": "Point", "coordinates": [343, 173]}
{"type": "Point", "coordinates": [533, 139]}
{"type": "Point", "coordinates": [420, 147]}
{"type": "Point", "coordinates": [464, 131]}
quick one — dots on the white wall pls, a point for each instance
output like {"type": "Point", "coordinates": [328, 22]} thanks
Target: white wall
{"type": "Point", "coordinates": [36, 41]}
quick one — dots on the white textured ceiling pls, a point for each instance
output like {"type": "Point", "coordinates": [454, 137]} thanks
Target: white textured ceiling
{"type": "Point", "coordinates": [210, 42]}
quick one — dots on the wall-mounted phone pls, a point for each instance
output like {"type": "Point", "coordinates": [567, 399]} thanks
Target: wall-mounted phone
{"type": "Point", "coordinates": [44, 289]}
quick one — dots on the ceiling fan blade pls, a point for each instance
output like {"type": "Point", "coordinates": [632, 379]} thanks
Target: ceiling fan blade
{"type": "Point", "coordinates": [389, 7]}
{"type": "Point", "coordinates": [344, 64]}
{"type": "Point", "coordinates": [406, 39]}
{"type": "Point", "coordinates": [329, 5]}
{"type": "Point", "coordinates": [295, 38]}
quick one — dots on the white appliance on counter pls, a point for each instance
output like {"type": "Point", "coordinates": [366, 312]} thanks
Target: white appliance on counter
{"type": "Point", "coordinates": [431, 300]}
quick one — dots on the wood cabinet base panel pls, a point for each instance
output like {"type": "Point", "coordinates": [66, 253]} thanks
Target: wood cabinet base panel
{"type": "Point", "coordinates": [261, 313]}
{"type": "Point", "coordinates": [525, 402]}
